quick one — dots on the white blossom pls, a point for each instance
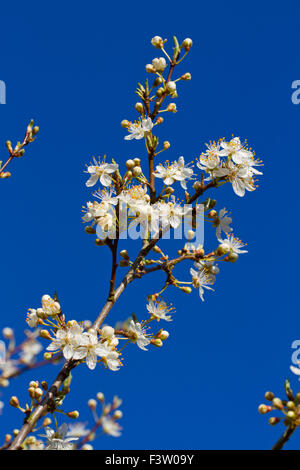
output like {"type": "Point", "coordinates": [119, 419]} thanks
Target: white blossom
{"type": "Point", "coordinates": [159, 310]}
{"type": "Point", "coordinates": [201, 280]}
{"type": "Point", "coordinates": [68, 340]}
{"type": "Point", "coordinates": [111, 426]}
{"type": "Point", "coordinates": [138, 335]}
{"type": "Point", "coordinates": [101, 171]}
{"type": "Point", "coordinates": [222, 221]}
{"type": "Point", "coordinates": [138, 129]}
{"type": "Point", "coordinates": [58, 440]}
{"type": "Point", "coordinates": [233, 244]}
{"type": "Point", "coordinates": [50, 306]}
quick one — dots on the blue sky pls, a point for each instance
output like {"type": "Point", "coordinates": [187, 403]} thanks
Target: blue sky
{"type": "Point", "coordinates": [74, 67]}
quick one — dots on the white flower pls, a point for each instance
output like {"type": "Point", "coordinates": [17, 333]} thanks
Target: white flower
{"type": "Point", "coordinates": [58, 440]}
{"type": "Point", "coordinates": [157, 42]}
{"type": "Point", "coordinates": [240, 178]}
{"type": "Point", "coordinates": [170, 213]}
{"type": "Point", "coordinates": [137, 130]}
{"type": "Point", "coordinates": [9, 367]}
{"type": "Point", "coordinates": [235, 150]}
{"type": "Point", "coordinates": [159, 310]}
{"type": "Point", "coordinates": [107, 196]}
{"type": "Point", "coordinates": [184, 172]}
{"type": "Point", "coordinates": [32, 318]}
{"type": "Point", "coordinates": [222, 221]}
{"type": "Point", "coordinates": [201, 280]}
{"type": "Point", "coordinates": [138, 335]}
{"type": "Point", "coordinates": [101, 171]}
{"type": "Point", "coordinates": [50, 306]}
{"type": "Point", "coordinates": [30, 349]}
{"type": "Point", "coordinates": [159, 64]}
{"type": "Point", "coordinates": [233, 245]}
{"type": "Point", "coordinates": [67, 340]}
{"type": "Point", "coordinates": [176, 171]}
{"type": "Point", "coordinates": [88, 349]}
{"type": "Point", "coordinates": [109, 356]}
{"type": "Point", "coordinates": [111, 427]}
{"type": "Point", "coordinates": [77, 430]}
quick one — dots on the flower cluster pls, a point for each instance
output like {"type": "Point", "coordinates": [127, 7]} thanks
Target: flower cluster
{"type": "Point", "coordinates": [231, 161]}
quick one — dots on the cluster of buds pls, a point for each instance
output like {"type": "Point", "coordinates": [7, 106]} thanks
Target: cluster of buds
{"type": "Point", "coordinates": [289, 407]}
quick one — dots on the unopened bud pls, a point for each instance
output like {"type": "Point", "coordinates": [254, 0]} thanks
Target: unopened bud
{"type": "Point", "coordinates": [291, 414]}
{"type": "Point", "coordinates": [159, 92]}
{"type": "Point", "coordinates": [139, 107]}
{"type": "Point", "coordinates": [185, 289]}
{"type": "Point", "coordinates": [99, 242]}
{"type": "Point", "coordinates": [45, 334]}
{"type": "Point", "coordinates": [277, 403]}
{"type": "Point", "coordinates": [187, 44]}
{"type": "Point", "coordinates": [232, 257]}
{"type": "Point", "coordinates": [164, 335]}
{"type": "Point", "coordinates": [118, 414]}
{"type": "Point", "coordinates": [166, 145]}
{"type": "Point", "coordinates": [107, 331]}
{"type": "Point", "coordinates": [137, 161]}
{"type": "Point", "coordinates": [269, 396]}
{"type": "Point", "coordinates": [124, 254]}
{"type": "Point", "coordinates": [263, 409]}
{"type": "Point", "coordinates": [291, 405]}
{"type": "Point", "coordinates": [31, 392]}
{"type": "Point", "coordinates": [125, 123]}
{"type": "Point", "coordinates": [156, 249]}
{"type": "Point", "coordinates": [8, 333]}
{"type": "Point", "coordinates": [73, 414]}
{"type": "Point", "coordinates": [157, 342]}
{"type": "Point", "coordinates": [171, 108]}
{"type": "Point", "coordinates": [171, 87]}
{"type": "Point", "coordinates": [129, 164]}
{"type": "Point", "coordinates": [149, 68]}
{"type": "Point", "coordinates": [14, 402]}
{"type": "Point", "coordinates": [92, 404]}
{"type": "Point", "coordinates": [7, 438]}
{"type": "Point", "coordinates": [186, 76]}
{"type": "Point", "coordinates": [38, 393]}
{"type": "Point", "coordinates": [47, 356]}
{"type": "Point", "coordinates": [16, 432]}
{"type": "Point", "coordinates": [44, 385]}
{"type": "Point", "coordinates": [212, 214]}
{"type": "Point", "coordinates": [5, 174]}
{"type": "Point", "coordinates": [273, 421]}
{"type": "Point", "coordinates": [46, 422]}
{"type": "Point", "coordinates": [137, 171]}
{"type": "Point", "coordinates": [33, 384]}
{"type": "Point", "coordinates": [157, 42]}
{"type": "Point", "coordinates": [90, 230]}
{"type": "Point", "coordinates": [35, 130]}
{"type": "Point", "coordinates": [8, 145]}
{"type": "Point", "coordinates": [190, 235]}
{"type": "Point", "coordinates": [222, 249]}
{"type": "Point", "coordinates": [100, 395]}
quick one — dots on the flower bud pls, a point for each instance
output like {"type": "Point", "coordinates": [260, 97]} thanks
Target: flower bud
{"type": "Point", "coordinates": [34, 384]}
{"type": "Point", "coordinates": [190, 235]}
{"type": "Point", "coordinates": [222, 249]}
{"type": "Point", "coordinates": [269, 396]}
{"type": "Point", "coordinates": [137, 161]}
{"type": "Point", "coordinates": [185, 289]}
{"type": "Point", "coordinates": [139, 107]}
{"type": "Point", "coordinates": [157, 342]}
{"type": "Point", "coordinates": [118, 414]}
{"type": "Point", "coordinates": [107, 331]}
{"type": "Point", "coordinates": [8, 333]}
{"type": "Point", "coordinates": [171, 87]}
{"type": "Point", "coordinates": [164, 335]}
{"type": "Point", "coordinates": [124, 254]}
{"type": "Point", "coordinates": [129, 164]}
{"type": "Point", "coordinates": [291, 405]}
{"type": "Point", "coordinates": [159, 64]}
{"type": "Point", "coordinates": [187, 44]}
{"type": "Point", "coordinates": [46, 422]}
{"type": "Point", "coordinates": [212, 214]}
{"type": "Point", "coordinates": [87, 447]}
{"type": "Point", "coordinates": [73, 414]}
{"type": "Point", "coordinates": [159, 120]}
{"type": "Point", "coordinates": [16, 432]}
{"type": "Point", "coordinates": [157, 42]}
{"type": "Point", "coordinates": [149, 68]}
{"type": "Point", "coordinates": [157, 81]}
{"type": "Point", "coordinates": [232, 257]}
{"type": "Point", "coordinates": [90, 230]}
{"type": "Point", "coordinates": [273, 421]}
{"type": "Point", "coordinates": [92, 404]}
{"type": "Point", "coordinates": [99, 242]}
{"type": "Point", "coordinates": [277, 403]}
{"type": "Point", "coordinates": [35, 130]}
{"type": "Point", "coordinates": [5, 174]}
{"type": "Point", "coordinates": [125, 123]}
{"type": "Point", "coordinates": [8, 145]}
{"type": "Point", "coordinates": [14, 402]}
{"type": "Point", "coordinates": [137, 171]}
{"type": "Point", "coordinates": [7, 438]}
{"type": "Point", "coordinates": [186, 76]}
{"type": "Point", "coordinates": [171, 108]}
{"type": "Point", "coordinates": [45, 334]}
{"type": "Point", "coordinates": [159, 92]}
{"type": "Point", "coordinates": [38, 393]}
{"type": "Point", "coordinates": [263, 409]}
{"type": "Point", "coordinates": [47, 356]}
{"type": "Point", "coordinates": [31, 392]}
{"type": "Point", "coordinates": [291, 414]}
{"type": "Point", "coordinates": [100, 395]}
{"type": "Point", "coordinates": [166, 145]}
{"type": "Point", "coordinates": [44, 385]}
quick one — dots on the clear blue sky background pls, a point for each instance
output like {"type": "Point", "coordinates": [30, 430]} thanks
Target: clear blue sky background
{"type": "Point", "coordinates": [73, 67]}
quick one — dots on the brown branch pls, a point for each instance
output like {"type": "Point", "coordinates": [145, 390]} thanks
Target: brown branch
{"type": "Point", "coordinates": [284, 438]}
